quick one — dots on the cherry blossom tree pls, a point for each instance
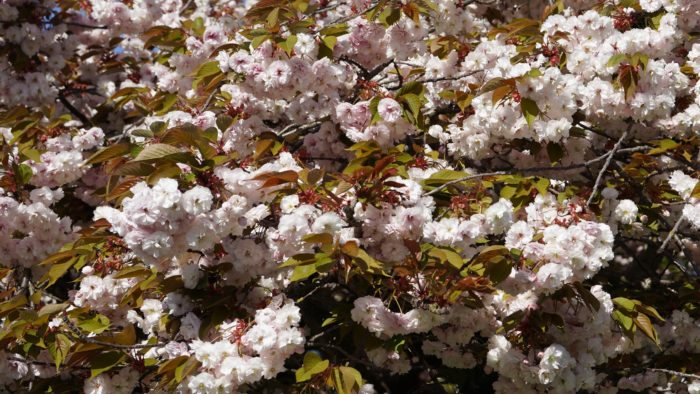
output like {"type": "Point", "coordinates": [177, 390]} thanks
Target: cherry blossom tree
{"type": "Point", "coordinates": [351, 196]}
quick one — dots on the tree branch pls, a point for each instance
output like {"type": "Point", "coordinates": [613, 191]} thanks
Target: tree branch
{"type": "Point", "coordinates": [610, 154]}
{"type": "Point", "coordinates": [671, 234]}
{"type": "Point", "coordinates": [62, 98]}
{"type": "Point", "coordinates": [676, 373]}
{"type": "Point", "coordinates": [538, 169]}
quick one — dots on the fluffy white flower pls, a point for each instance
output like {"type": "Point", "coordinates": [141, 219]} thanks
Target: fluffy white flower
{"type": "Point", "coordinates": [682, 183]}
{"type": "Point", "coordinates": [389, 109]}
{"type": "Point", "coordinates": [197, 200]}
{"type": "Point", "coordinates": [626, 211]}
{"type": "Point", "coordinates": [519, 235]}
{"type": "Point", "coordinates": [329, 222]}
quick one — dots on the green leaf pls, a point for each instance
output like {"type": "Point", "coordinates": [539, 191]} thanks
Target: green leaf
{"type": "Point", "coordinates": [109, 152]}
{"type": "Point", "coordinates": [158, 127]}
{"type": "Point", "coordinates": [223, 122]}
{"type": "Point", "coordinates": [299, 259]}
{"type": "Point", "coordinates": [500, 93]}
{"type": "Point", "coordinates": [15, 302]}
{"type": "Point", "coordinates": [273, 17]}
{"type": "Point", "coordinates": [625, 304]}
{"type": "Point", "coordinates": [326, 46]}
{"type": "Point", "coordinates": [413, 87]}
{"type": "Point", "coordinates": [370, 263]}
{"type": "Point", "coordinates": [389, 16]}
{"type": "Point", "coordinates": [639, 59]}
{"type": "Point", "coordinates": [208, 69]}
{"type": "Point", "coordinates": [288, 44]}
{"type": "Point", "coordinates": [97, 324]}
{"type": "Point", "coordinates": [696, 191]}
{"type": "Point", "coordinates": [346, 380]}
{"type": "Point", "coordinates": [454, 258]}
{"type": "Point", "coordinates": [59, 349]}
{"type": "Point", "coordinates": [508, 191]}
{"type": "Point", "coordinates": [649, 310]}
{"type": "Point", "coordinates": [446, 255]}
{"type": "Point", "coordinates": [172, 364]}
{"type": "Point", "coordinates": [312, 365]}
{"type": "Point", "coordinates": [335, 30]}
{"type": "Point", "coordinates": [542, 185]}
{"type": "Point", "coordinates": [496, 261]}
{"type": "Point", "coordinates": [323, 238]}
{"type": "Point", "coordinates": [591, 301]}
{"type": "Point", "coordinates": [302, 272]}
{"type": "Point", "coordinates": [134, 168]}
{"type": "Point", "coordinates": [491, 85]}
{"type": "Point", "coordinates": [443, 176]}
{"type": "Point", "coordinates": [50, 309]}
{"type": "Point", "coordinates": [259, 40]}
{"type": "Point", "coordinates": [644, 323]}
{"type": "Point", "coordinates": [555, 152]}
{"type": "Point", "coordinates": [186, 369]}
{"type": "Point", "coordinates": [655, 21]}
{"type": "Point", "coordinates": [529, 109]}
{"type": "Point", "coordinates": [374, 109]}
{"type": "Point", "coordinates": [145, 133]}
{"type": "Point", "coordinates": [663, 146]}
{"type": "Point", "coordinates": [616, 59]}
{"type": "Point", "coordinates": [105, 361]}
{"type": "Point", "coordinates": [156, 151]}
{"type": "Point", "coordinates": [57, 271]}
{"type": "Point", "coordinates": [413, 102]}
{"type": "Point", "coordinates": [498, 269]}
{"type": "Point", "coordinates": [24, 174]}
{"type": "Point", "coordinates": [625, 322]}
{"type": "Point", "coordinates": [165, 104]}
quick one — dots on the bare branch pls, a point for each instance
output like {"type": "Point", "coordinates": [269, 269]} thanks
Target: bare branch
{"type": "Point", "coordinates": [538, 169]}
{"type": "Point", "coordinates": [676, 373]}
{"type": "Point", "coordinates": [466, 178]}
{"type": "Point", "coordinates": [610, 154]}
{"type": "Point", "coordinates": [670, 235]}
{"type": "Point", "coordinates": [439, 79]}
{"type": "Point", "coordinates": [62, 98]}
{"type": "Point", "coordinates": [76, 24]}
{"type": "Point", "coordinates": [294, 128]}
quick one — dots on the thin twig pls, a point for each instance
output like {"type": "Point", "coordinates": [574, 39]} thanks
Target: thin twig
{"type": "Point", "coordinates": [209, 99]}
{"type": "Point", "coordinates": [670, 234]}
{"type": "Point", "coordinates": [336, 159]}
{"type": "Point", "coordinates": [344, 353]}
{"type": "Point", "coordinates": [185, 7]}
{"type": "Point", "coordinates": [84, 119]}
{"type": "Point", "coordinates": [291, 129]}
{"type": "Point", "coordinates": [440, 79]}
{"type": "Point", "coordinates": [398, 74]}
{"type": "Point", "coordinates": [610, 154]}
{"type": "Point", "coordinates": [537, 169]}
{"type": "Point", "coordinates": [466, 178]}
{"type": "Point", "coordinates": [344, 19]}
{"type": "Point", "coordinates": [326, 9]}
{"type": "Point", "coordinates": [676, 373]}
{"type": "Point", "coordinates": [77, 24]}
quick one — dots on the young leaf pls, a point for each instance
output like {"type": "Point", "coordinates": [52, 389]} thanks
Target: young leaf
{"type": "Point", "coordinates": [529, 109]}
{"type": "Point", "coordinates": [156, 151]}
{"type": "Point", "coordinates": [313, 364]}
{"type": "Point", "coordinates": [105, 361]}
